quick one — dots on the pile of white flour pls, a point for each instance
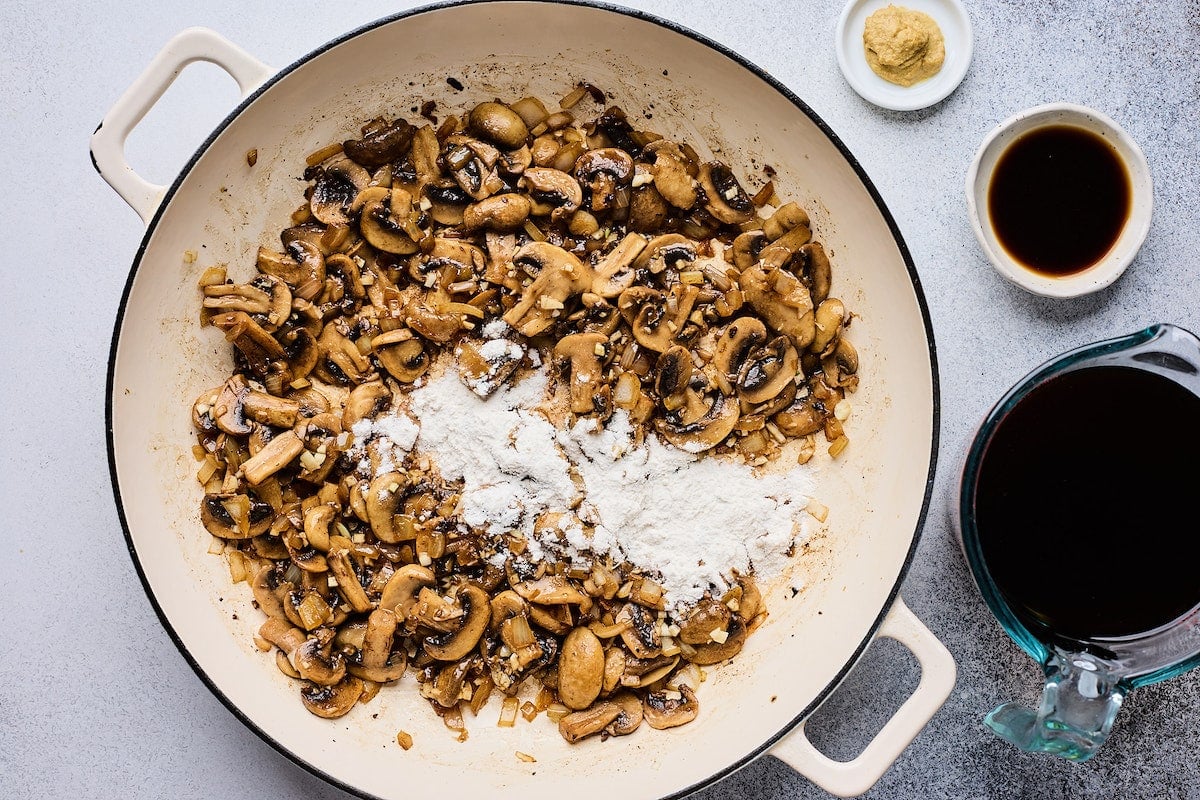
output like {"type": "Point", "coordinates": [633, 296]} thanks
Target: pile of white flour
{"type": "Point", "coordinates": [690, 520]}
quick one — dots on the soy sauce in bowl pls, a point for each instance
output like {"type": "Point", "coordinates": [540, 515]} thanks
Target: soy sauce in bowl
{"type": "Point", "coordinates": [1059, 198]}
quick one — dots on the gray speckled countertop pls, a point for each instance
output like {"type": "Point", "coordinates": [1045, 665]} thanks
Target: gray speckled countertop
{"type": "Point", "coordinates": [94, 699]}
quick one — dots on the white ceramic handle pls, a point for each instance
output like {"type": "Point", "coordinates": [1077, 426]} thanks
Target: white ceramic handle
{"type": "Point", "coordinates": [852, 778]}
{"type": "Point", "coordinates": [108, 142]}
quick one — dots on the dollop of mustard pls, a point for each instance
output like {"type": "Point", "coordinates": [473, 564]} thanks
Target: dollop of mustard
{"type": "Point", "coordinates": [903, 46]}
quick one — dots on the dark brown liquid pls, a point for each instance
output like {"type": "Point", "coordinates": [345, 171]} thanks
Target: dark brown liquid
{"type": "Point", "coordinates": [1059, 198]}
{"type": "Point", "coordinates": [1086, 504]}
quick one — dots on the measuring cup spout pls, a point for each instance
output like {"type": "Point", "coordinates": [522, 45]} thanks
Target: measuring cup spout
{"type": "Point", "coordinates": [1079, 703]}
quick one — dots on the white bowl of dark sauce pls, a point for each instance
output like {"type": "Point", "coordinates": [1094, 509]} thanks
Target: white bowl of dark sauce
{"type": "Point", "coordinates": [1060, 198]}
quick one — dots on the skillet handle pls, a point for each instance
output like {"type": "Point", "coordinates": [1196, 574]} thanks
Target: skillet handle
{"type": "Point", "coordinates": [108, 142]}
{"type": "Point", "coordinates": [852, 778]}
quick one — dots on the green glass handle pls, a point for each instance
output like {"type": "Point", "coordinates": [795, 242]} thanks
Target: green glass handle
{"type": "Point", "coordinates": [1079, 704]}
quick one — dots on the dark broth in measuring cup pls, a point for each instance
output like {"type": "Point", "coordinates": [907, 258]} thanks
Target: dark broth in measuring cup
{"type": "Point", "coordinates": [1084, 504]}
{"type": "Point", "coordinates": [1059, 198]}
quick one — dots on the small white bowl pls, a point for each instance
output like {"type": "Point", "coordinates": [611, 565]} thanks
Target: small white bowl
{"type": "Point", "coordinates": [951, 17]}
{"type": "Point", "coordinates": [1133, 234]}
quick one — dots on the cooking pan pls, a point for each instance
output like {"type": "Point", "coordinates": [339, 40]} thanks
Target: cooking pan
{"type": "Point", "coordinates": [222, 208]}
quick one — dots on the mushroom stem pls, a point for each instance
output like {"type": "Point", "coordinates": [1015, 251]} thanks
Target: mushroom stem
{"type": "Point", "coordinates": [278, 453]}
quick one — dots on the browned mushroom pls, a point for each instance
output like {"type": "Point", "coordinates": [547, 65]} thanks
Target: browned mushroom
{"type": "Point", "coordinates": [456, 645]}
{"type": "Point", "coordinates": [668, 708]}
{"type": "Point", "coordinates": [603, 172]}
{"type": "Point", "coordinates": [332, 702]}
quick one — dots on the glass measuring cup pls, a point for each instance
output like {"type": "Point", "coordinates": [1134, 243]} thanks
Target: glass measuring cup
{"type": "Point", "coordinates": [1086, 679]}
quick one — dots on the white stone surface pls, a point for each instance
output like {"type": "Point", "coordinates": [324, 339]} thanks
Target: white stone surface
{"type": "Point", "coordinates": [95, 701]}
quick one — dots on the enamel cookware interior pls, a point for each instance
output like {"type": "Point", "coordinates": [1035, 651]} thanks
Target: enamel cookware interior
{"type": "Point", "coordinates": [223, 209]}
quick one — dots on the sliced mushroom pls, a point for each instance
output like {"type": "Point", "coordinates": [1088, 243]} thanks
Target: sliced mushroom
{"type": "Point", "coordinates": [581, 724]}
{"type": "Point", "coordinates": [767, 370]}
{"type": "Point", "coordinates": [337, 184]}
{"type": "Point", "coordinates": [668, 250]}
{"type": "Point", "coordinates": [339, 361]}
{"type": "Point", "coordinates": [707, 431]}
{"type": "Point", "coordinates": [672, 179]}
{"type": "Point", "coordinates": [560, 275]}
{"type": "Point", "coordinates": [384, 497]}
{"type": "Point", "coordinates": [614, 271]}
{"type": "Point", "coordinates": [648, 211]}
{"type": "Point", "coordinates": [317, 521]}
{"type": "Point", "coordinates": [554, 193]}
{"type": "Point", "coordinates": [724, 197]}
{"type": "Point", "coordinates": [229, 412]}
{"type": "Point", "coordinates": [801, 418]}
{"type": "Point", "coordinates": [378, 661]}
{"type": "Point", "coordinates": [303, 265]}
{"type": "Point", "coordinates": [348, 583]}
{"type": "Point", "coordinates": [642, 637]}
{"type": "Point", "coordinates": [435, 325]}
{"type": "Point", "coordinates": [787, 217]}
{"type": "Point", "coordinates": [400, 592]}
{"type": "Point", "coordinates": [331, 702]}
{"type": "Point", "coordinates": [267, 586]}
{"type": "Point", "coordinates": [270, 410]}
{"type": "Point", "coordinates": [281, 633]}
{"type": "Point", "coordinates": [259, 347]}
{"type": "Point", "coordinates": [279, 452]}
{"type": "Point", "coordinates": [401, 354]}
{"type": "Point", "coordinates": [829, 318]}
{"type": "Point", "coordinates": [615, 662]}
{"type": "Point", "coordinates": [817, 271]}
{"type": "Point", "coordinates": [267, 298]}
{"type": "Point", "coordinates": [500, 212]}
{"type": "Point", "coordinates": [446, 687]}
{"type": "Point", "coordinates": [447, 202]}
{"type": "Point", "coordinates": [365, 401]}
{"type": "Point", "coordinates": [783, 302]}
{"type": "Point", "coordinates": [603, 172]}
{"type": "Point", "coordinates": [723, 645]}
{"type": "Point", "coordinates": [841, 367]}
{"type": "Point", "coordinates": [387, 222]}
{"type": "Point", "coordinates": [553, 590]}
{"type": "Point", "coordinates": [580, 669]}
{"type": "Point", "coordinates": [631, 715]}
{"type": "Point", "coordinates": [586, 352]}
{"type": "Point", "coordinates": [709, 615]}
{"type": "Point", "coordinates": [456, 645]}
{"type": "Point", "coordinates": [234, 516]}
{"type": "Point", "coordinates": [314, 661]}
{"type": "Point", "coordinates": [747, 247]}
{"type": "Point", "coordinates": [643, 672]}
{"type": "Point", "coordinates": [666, 711]}
{"type": "Point", "coordinates": [735, 342]}
{"type": "Point", "coordinates": [382, 145]}
{"type": "Point", "coordinates": [498, 123]}
{"type": "Point", "coordinates": [646, 311]}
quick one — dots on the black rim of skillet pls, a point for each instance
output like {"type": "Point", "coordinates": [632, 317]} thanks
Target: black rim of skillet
{"type": "Point", "coordinates": [735, 765]}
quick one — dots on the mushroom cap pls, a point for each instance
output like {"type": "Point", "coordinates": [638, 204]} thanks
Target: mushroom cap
{"type": "Point", "coordinates": [384, 496]}
{"type": "Point", "coordinates": [456, 645]}
{"type": "Point", "coordinates": [232, 515]}
{"type": "Point", "coordinates": [381, 146]}
{"type": "Point", "coordinates": [662, 713]}
{"type": "Point", "coordinates": [337, 184]}
{"type": "Point", "coordinates": [315, 663]}
{"type": "Point", "coordinates": [331, 702]}
{"type": "Point", "coordinates": [768, 370]}
{"type": "Point", "coordinates": [735, 343]}
{"type": "Point", "coordinates": [580, 669]}
{"type": "Point", "coordinates": [706, 432]}
{"type": "Point", "coordinates": [604, 161]}
{"type": "Point", "coordinates": [498, 123]}
{"type": "Point", "coordinates": [725, 198]}
{"type": "Point", "coordinates": [400, 592]}
{"type": "Point", "coordinates": [553, 188]}
{"type": "Point", "coordinates": [631, 715]}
